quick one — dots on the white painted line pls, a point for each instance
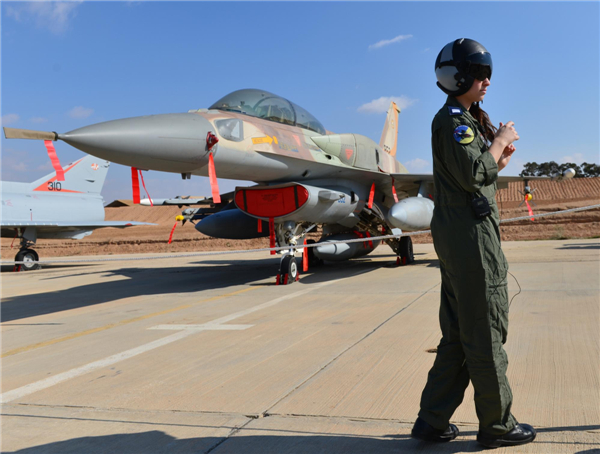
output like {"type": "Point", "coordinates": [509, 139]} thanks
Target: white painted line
{"type": "Point", "coordinates": [26, 390]}
{"type": "Point", "coordinates": [205, 327]}
{"type": "Point", "coordinates": [51, 381]}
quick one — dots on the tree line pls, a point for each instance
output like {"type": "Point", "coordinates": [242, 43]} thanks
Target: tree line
{"type": "Point", "coordinates": [585, 170]}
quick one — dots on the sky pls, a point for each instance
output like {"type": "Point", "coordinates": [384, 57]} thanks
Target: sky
{"type": "Point", "coordinates": [65, 65]}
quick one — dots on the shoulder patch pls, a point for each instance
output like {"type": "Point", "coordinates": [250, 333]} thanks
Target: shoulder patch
{"type": "Point", "coordinates": [463, 135]}
{"type": "Point", "coordinates": [455, 110]}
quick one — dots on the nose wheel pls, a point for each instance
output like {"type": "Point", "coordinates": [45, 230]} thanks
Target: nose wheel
{"type": "Point", "coordinates": [288, 271]}
{"type": "Point", "coordinates": [29, 258]}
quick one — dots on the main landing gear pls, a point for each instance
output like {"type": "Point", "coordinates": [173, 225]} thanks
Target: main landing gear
{"type": "Point", "coordinates": [28, 256]}
{"type": "Point", "coordinates": [406, 255]}
{"type": "Point", "coordinates": [288, 234]}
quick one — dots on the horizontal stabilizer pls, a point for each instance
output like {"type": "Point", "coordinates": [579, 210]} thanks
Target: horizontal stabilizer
{"type": "Point", "coordinates": [14, 133]}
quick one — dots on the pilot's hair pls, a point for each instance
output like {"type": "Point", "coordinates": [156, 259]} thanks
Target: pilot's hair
{"type": "Point", "coordinates": [484, 120]}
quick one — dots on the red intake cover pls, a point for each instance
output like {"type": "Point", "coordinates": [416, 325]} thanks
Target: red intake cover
{"type": "Point", "coordinates": [271, 202]}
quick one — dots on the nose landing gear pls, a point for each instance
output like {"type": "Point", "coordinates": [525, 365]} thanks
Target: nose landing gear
{"type": "Point", "coordinates": [289, 234]}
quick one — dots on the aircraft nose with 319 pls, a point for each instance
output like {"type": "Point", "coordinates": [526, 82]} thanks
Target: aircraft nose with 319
{"type": "Point", "coordinates": [306, 176]}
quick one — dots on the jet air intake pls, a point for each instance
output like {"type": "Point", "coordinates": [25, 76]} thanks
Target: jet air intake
{"type": "Point", "coordinates": [297, 202]}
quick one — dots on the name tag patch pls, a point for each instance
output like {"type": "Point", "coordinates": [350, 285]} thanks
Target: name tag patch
{"type": "Point", "coordinates": [463, 135]}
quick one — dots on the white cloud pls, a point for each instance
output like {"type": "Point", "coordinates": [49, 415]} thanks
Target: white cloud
{"type": "Point", "coordinates": [38, 120]}
{"type": "Point", "coordinates": [54, 16]}
{"type": "Point", "coordinates": [9, 119]}
{"type": "Point", "coordinates": [577, 158]}
{"type": "Point", "coordinates": [387, 42]}
{"type": "Point", "coordinates": [80, 112]}
{"type": "Point", "coordinates": [381, 105]}
{"type": "Point", "coordinates": [418, 165]}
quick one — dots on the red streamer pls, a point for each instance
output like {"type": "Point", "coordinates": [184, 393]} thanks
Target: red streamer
{"type": "Point", "coordinates": [272, 234]}
{"type": "Point", "coordinates": [530, 210]}
{"type": "Point", "coordinates": [60, 173]}
{"type": "Point", "coordinates": [144, 184]}
{"type": "Point", "coordinates": [135, 185]}
{"type": "Point", "coordinates": [371, 196]}
{"type": "Point", "coordinates": [172, 231]}
{"type": "Point", "coordinates": [212, 175]}
{"type": "Point", "coordinates": [394, 191]}
{"type": "Point", "coordinates": [259, 228]}
{"type": "Point", "coordinates": [370, 242]}
{"type": "Point", "coordinates": [305, 259]}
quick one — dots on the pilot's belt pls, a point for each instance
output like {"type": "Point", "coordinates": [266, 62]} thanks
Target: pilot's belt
{"type": "Point", "coordinates": [457, 199]}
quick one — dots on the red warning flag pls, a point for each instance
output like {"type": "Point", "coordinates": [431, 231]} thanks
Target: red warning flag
{"type": "Point", "coordinates": [530, 210]}
{"type": "Point", "coordinates": [60, 174]}
{"type": "Point", "coordinates": [272, 242]}
{"type": "Point", "coordinates": [394, 191]}
{"type": "Point", "coordinates": [144, 184]}
{"type": "Point", "coordinates": [371, 196]}
{"type": "Point", "coordinates": [369, 236]}
{"type": "Point", "coordinates": [305, 259]}
{"type": "Point", "coordinates": [212, 175]}
{"type": "Point", "coordinates": [172, 231]}
{"type": "Point", "coordinates": [135, 185]}
{"type": "Point", "coordinates": [259, 229]}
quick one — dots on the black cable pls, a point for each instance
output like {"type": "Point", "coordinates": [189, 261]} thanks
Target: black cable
{"type": "Point", "coordinates": [511, 300]}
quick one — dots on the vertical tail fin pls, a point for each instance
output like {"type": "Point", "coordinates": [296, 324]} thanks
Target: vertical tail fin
{"type": "Point", "coordinates": [85, 176]}
{"type": "Point", "coordinates": [389, 136]}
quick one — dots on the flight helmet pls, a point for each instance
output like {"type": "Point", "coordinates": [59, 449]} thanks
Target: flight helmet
{"type": "Point", "coordinates": [459, 63]}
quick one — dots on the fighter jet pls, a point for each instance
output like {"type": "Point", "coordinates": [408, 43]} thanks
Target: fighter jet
{"type": "Point", "coordinates": [50, 208]}
{"type": "Point", "coordinates": [306, 176]}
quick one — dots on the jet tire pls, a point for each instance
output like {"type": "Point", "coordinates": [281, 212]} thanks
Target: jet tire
{"type": "Point", "coordinates": [406, 250]}
{"type": "Point", "coordinates": [30, 259]}
{"type": "Point", "coordinates": [288, 270]}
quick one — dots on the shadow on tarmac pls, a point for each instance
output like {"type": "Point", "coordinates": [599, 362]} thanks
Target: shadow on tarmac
{"type": "Point", "coordinates": [159, 442]}
{"type": "Point", "coordinates": [580, 246]}
{"type": "Point", "coordinates": [209, 275]}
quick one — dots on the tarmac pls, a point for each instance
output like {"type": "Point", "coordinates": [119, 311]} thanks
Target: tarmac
{"type": "Point", "coordinates": [207, 355]}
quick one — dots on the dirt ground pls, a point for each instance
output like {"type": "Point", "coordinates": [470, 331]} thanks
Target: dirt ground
{"type": "Point", "coordinates": [548, 196]}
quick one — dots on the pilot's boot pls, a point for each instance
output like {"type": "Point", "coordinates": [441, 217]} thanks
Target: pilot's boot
{"type": "Point", "coordinates": [426, 432]}
{"type": "Point", "coordinates": [520, 435]}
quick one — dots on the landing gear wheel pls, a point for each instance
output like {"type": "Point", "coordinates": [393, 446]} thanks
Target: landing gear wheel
{"type": "Point", "coordinates": [30, 257]}
{"type": "Point", "coordinates": [313, 260]}
{"type": "Point", "coordinates": [288, 270]}
{"type": "Point", "coordinates": [406, 250]}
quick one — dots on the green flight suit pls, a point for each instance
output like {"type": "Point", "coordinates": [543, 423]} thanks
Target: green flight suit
{"type": "Point", "coordinates": [474, 298]}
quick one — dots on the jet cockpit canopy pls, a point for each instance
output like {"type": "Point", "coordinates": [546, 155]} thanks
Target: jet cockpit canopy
{"type": "Point", "coordinates": [262, 104]}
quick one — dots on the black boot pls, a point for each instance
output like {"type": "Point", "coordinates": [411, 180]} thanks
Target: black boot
{"type": "Point", "coordinates": [520, 435]}
{"type": "Point", "coordinates": [426, 432]}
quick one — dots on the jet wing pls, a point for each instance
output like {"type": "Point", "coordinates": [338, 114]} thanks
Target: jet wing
{"type": "Point", "coordinates": [72, 225]}
{"type": "Point", "coordinates": [185, 201]}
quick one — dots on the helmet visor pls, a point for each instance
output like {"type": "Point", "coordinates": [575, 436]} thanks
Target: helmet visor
{"type": "Point", "coordinates": [480, 72]}
{"type": "Point", "coordinates": [481, 59]}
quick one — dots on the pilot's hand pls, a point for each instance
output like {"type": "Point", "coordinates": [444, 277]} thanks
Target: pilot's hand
{"type": "Point", "coordinates": [509, 150]}
{"type": "Point", "coordinates": [506, 155]}
{"type": "Point", "coordinates": [507, 133]}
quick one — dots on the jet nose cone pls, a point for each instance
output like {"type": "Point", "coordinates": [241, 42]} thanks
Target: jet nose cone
{"type": "Point", "coordinates": [169, 142]}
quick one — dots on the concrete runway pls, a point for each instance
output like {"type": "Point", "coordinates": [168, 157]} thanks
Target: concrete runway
{"type": "Point", "coordinates": [207, 355]}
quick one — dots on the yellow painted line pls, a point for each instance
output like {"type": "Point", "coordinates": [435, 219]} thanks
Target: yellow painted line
{"type": "Point", "coordinates": [117, 324]}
